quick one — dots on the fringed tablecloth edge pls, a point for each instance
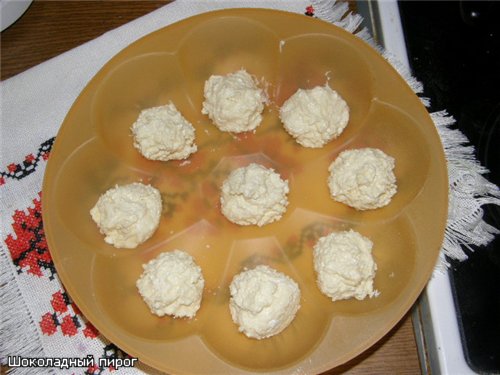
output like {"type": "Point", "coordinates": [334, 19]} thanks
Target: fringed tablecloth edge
{"type": "Point", "coordinates": [19, 330]}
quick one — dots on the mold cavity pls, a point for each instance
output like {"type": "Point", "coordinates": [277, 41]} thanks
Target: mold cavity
{"type": "Point", "coordinates": [400, 136]}
{"type": "Point", "coordinates": [86, 174]}
{"type": "Point", "coordinates": [142, 82]}
{"type": "Point", "coordinates": [114, 283]}
{"type": "Point", "coordinates": [226, 45]}
{"type": "Point", "coordinates": [315, 60]}
{"type": "Point", "coordinates": [292, 344]}
{"type": "Point", "coordinates": [394, 250]}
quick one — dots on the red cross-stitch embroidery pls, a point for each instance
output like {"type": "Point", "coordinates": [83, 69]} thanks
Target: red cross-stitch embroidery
{"type": "Point", "coordinates": [66, 317]}
{"type": "Point", "coordinates": [28, 247]}
{"type": "Point", "coordinates": [29, 159]}
{"type": "Point", "coordinates": [28, 165]}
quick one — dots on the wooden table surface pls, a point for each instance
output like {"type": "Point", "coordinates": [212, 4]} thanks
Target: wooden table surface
{"type": "Point", "coordinates": [49, 28]}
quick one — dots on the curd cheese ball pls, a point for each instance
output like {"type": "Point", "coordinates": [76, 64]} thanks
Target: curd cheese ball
{"type": "Point", "coordinates": [162, 133]}
{"type": "Point", "coordinates": [128, 215]}
{"type": "Point", "coordinates": [314, 117]}
{"type": "Point", "coordinates": [362, 178]}
{"type": "Point", "coordinates": [263, 301]}
{"type": "Point", "coordinates": [234, 102]}
{"type": "Point", "coordinates": [254, 195]}
{"type": "Point", "coordinates": [172, 284]}
{"type": "Point", "coordinates": [344, 266]}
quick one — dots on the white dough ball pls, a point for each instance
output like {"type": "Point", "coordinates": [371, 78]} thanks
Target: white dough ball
{"type": "Point", "coordinates": [314, 117]}
{"type": "Point", "coordinates": [344, 266]}
{"type": "Point", "coordinates": [254, 195]}
{"type": "Point", "coordinates": [128, 215]}
{"type": "Point", "coordinates": [234, 102]}
{"type": "Point", "coordinates": [263, 301]}
{"type": "Point", "coordinates": [172, 284]}
{"type": "Point", "coordinates": [362, 178]}
{"type": "Point", "coordinates": [162, 133]}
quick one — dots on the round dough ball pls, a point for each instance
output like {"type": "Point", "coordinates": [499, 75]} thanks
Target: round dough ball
{"type": "Point", "coordinates": [362, 178]}
{"type": "Point", "coordinates": [344, 266]}
{"type": "Point", "coordinates": [162, 133]}
{"type": "Point", "coordinates": [254, 195]}
{"type": "Point", "coordinates": [172, 284]}
{"type": "Point", "coordinates": [314, 117]}
{"type": "Point", "coordinates": [128, 215]}
{"type": "Point", "coordinates": [234, 102]}
{"type": "Point", "coordinates": [263, 301]}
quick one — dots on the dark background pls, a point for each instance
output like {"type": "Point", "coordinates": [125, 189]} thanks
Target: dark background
{"type": "Point", "coordinates": [454, 49]}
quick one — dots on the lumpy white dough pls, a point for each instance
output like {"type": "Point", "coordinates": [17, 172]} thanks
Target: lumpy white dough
{"type": "Point", "coordinates": [172, 284]}
{"type": "Point", "coordinates": [344, 266]}
{"type": "Point", "coordinates": [234, 102]}
{"type": "Point", "coordinates": [263, 301]}
{"type": "Point", "coordinates": [314, 117]}
{"type": "Point", "coordinates": [162, 133]}
{"type": "Point", "coordinates": [128, 215]}
{"type": "Point", "coordinates": [254, 195]}
{"type": "Point", "coordinates": [362, 178]}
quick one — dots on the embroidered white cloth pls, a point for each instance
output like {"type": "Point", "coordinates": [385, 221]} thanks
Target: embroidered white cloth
{"type": "Point", "coordinates": [38, 318]}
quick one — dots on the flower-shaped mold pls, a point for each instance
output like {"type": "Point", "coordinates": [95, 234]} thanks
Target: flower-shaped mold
{"type": "Point", "coordinates": [94, 151]}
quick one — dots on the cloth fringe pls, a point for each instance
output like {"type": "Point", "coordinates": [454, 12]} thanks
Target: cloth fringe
{"type": "Point", "coordinates": [19, 334]}
{"type": "Point", "coordinates": [469, 190]}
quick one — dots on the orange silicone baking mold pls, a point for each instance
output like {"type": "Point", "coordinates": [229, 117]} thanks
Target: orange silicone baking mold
{"type": "Point", "coordinates": [93, 152]}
